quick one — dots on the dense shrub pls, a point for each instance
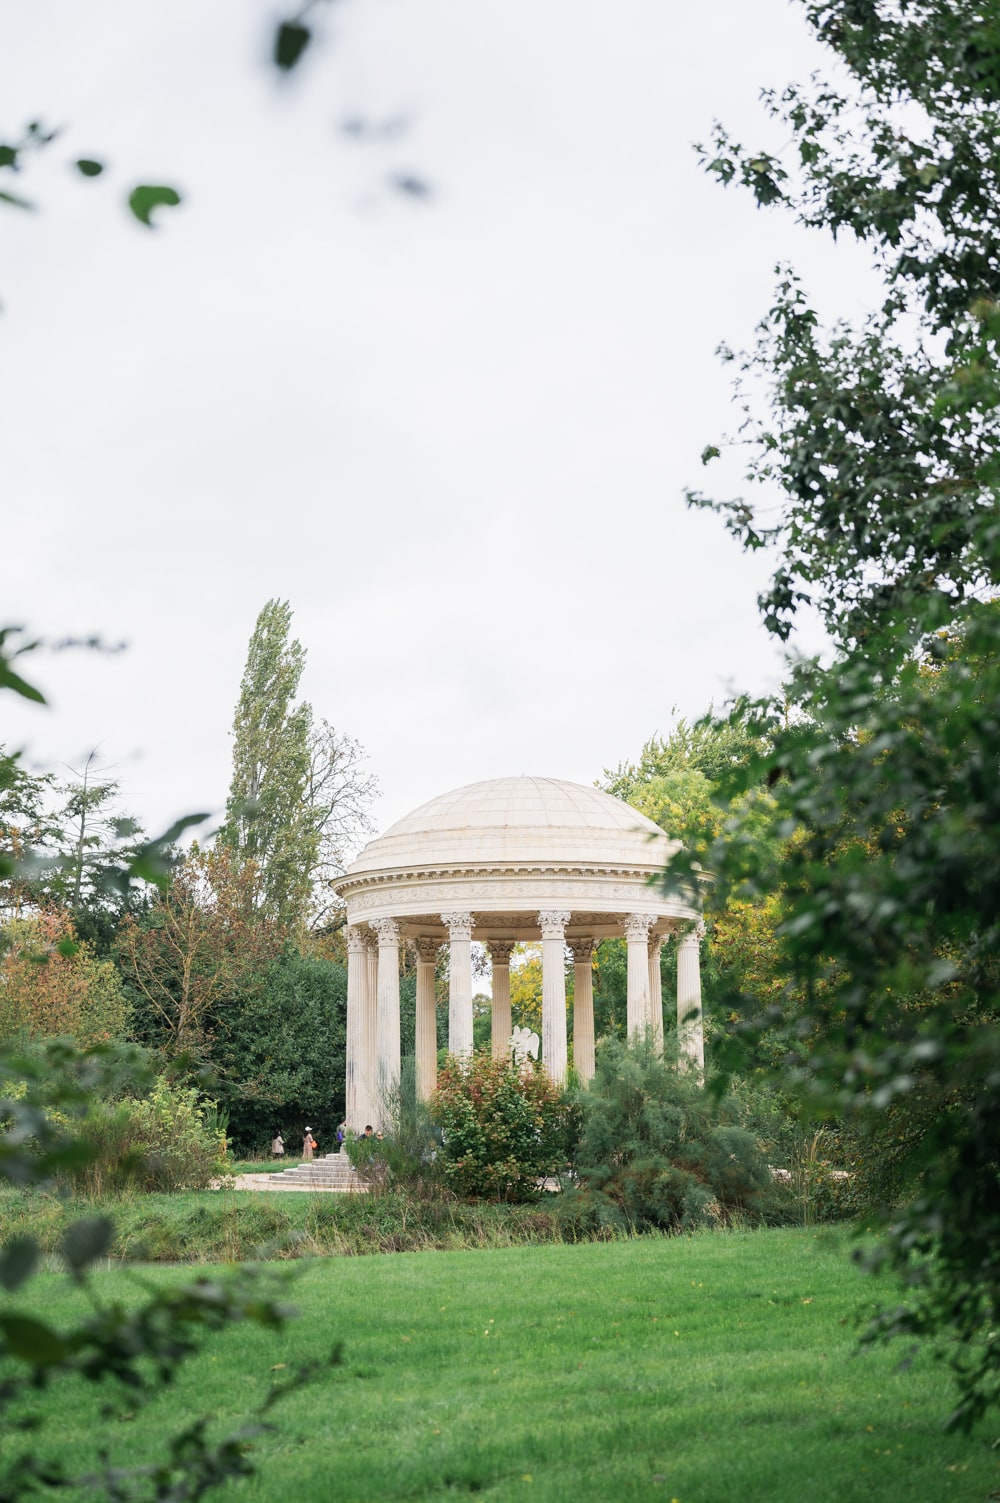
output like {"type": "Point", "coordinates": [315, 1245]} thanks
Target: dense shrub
{"type": "Point", "coordinates": [167, 1140]}
{"type": "Point", "coordinates": [657, 1151]}
{"type": "Point", "coordinates": [504, 1126]}
{"type": "Point", "coordinates": [278, 1052]}
{"type": "Point", "coordinates": [407, 1156]}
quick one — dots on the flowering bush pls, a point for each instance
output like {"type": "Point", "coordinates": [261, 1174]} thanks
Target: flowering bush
{"type": "Point", "coordinates": [505, 1126]}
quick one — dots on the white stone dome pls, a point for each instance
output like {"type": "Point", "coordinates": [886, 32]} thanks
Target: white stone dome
{"type": "Point", "coordinates": [514, 822]}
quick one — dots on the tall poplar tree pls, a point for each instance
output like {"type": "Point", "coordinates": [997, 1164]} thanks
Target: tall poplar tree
{"type": "Point", "coordinates": [268, 818]}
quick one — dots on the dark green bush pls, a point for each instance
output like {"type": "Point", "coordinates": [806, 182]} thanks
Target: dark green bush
{"type": "Point", "coordinates": [657, 1151]}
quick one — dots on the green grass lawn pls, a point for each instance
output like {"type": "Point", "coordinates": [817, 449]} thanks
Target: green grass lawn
{"type": "Point", "coordinates": [698, 1369]}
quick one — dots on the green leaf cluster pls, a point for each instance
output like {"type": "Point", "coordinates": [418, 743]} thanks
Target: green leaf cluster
{"type": "Point", "coordinates": [504, 1126]}
{"type": "Point", "coordinates": [880, 452]}
{"type": "Point", "coordinates": [656, 1150]}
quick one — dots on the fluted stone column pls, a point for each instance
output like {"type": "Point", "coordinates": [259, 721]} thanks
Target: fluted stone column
{"type": "Point", "coordinates": [426, 1040]}
{"type": "Point", "coordinates": [369, 1083]}
{"type": "Point", "coordinates": [583, 1007]}
{"type": "Point", "coordinates": [387, 1016]}
{"type": "Point", "coordinates": [637, 927]}
{"type": "Point", "coordinates": [460, 927]}
{"type": "Point", "coordinates": [554, 1046]}
{"type": "Point", "coordinates": [655, 945]}
{"type": "Point", "coordinates": [500, 952]}
{"type": "Point", "coordinates": [356, 1095]}
{"type": "Point", "coordinates": [690, 1026]}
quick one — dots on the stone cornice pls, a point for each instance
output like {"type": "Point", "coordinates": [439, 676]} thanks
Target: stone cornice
{"type": "Point", "coordinates": [345, 887]}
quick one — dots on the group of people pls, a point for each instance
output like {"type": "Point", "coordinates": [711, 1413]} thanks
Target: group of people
{"type": "Point", "coordinates": [309, 1144]}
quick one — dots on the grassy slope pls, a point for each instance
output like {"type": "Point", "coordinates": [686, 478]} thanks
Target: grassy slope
{"type": "Point", "coordinates": [702, 1370]}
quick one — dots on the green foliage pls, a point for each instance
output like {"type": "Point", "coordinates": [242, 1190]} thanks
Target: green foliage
{"type": "Point", "coordinates": [504, 1126]}
{"type": "Point", "coordinates": [166, 1140]}
{"type": "Point", "coordinates": [881, 446]}
{"type": "Point", "coordinates": [133, 1352]}
{"type": "Point", "coordinates": [655, 1151]}
{"type": "Point", "coordinates": [11, 647]}
{"type": "Point", "coordinates": [147, 197]}
{"type": "Point", "coordinates": [267, 817]}
{"type": "Point", "coordinates": [278, 1053]}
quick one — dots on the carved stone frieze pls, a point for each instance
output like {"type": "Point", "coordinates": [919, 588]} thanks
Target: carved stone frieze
{"type": "Point", "coordinates": [484, 895]}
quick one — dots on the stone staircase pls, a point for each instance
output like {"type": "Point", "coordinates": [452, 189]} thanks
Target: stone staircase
{"type": "Point", "coordinates": [333, 1172]}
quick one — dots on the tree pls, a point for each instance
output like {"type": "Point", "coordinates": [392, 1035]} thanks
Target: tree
{"type": "Point", "coordinates": [267, 817]}
{"type": "Point", "coordinates": [202, 948]}
{"type": "Point", "coordinates": [881, 444]}
{"type": "Point", "coordinates": [71, 845]}
{"type": "Point", "coordinates": [279, 1055]}
{"type": "Point", "coordinates": [53, 987]}
{"type": "Point", "coordinates": [26, 826]}
{"type": "Point", "coordinates": [300, 791]}
{"type": "Point", "coordinates": [526, 986]}
{"type": "Point", "coordinates": [339, 793]}
{"type": "Point", "coordinates": [682, 782]}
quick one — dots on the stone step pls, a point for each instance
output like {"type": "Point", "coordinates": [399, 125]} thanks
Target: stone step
{"type": "Point", "coordinates": [332, 1172]}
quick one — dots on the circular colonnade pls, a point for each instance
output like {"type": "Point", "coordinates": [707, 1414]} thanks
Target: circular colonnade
{"type": "Point", "coordinates": [501, 862]}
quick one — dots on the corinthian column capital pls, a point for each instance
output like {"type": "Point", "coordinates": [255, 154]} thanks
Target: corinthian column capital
{"type": "Point", "coordinates": [459, 925]}
{"type": "Point", "coordinates": [638, 925]}
{"type": "Point", "coordinates": [355, 940]}
{"type": "Point", "coordinates": [553, 923]}
{"type": "Point", "coordinates": [692, 938]}
{"type": "Point", "coordinates": [427, 950]}
{"type": "Point", "coordinates": [387, 930]}
{"type": "Point", "coordinates": [500, 950]}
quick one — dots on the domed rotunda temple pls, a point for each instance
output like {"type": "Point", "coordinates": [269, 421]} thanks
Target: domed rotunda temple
{"type": "Point", "coordinates": [509, 860]}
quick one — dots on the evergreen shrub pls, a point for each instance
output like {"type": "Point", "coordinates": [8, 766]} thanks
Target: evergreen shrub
{"type": "Point", "coordinates": [657, 1151]}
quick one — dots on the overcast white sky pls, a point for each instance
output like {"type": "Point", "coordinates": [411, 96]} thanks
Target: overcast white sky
{"type": "Point", "coordinates": [454, 433]}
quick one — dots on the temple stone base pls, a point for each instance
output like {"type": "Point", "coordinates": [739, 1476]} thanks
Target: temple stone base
{"type": "Point", "coordinates": [335, 1172]}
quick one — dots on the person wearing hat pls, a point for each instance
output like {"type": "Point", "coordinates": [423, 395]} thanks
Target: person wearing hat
{"type": "Point", "coordinates": [308, 1144]}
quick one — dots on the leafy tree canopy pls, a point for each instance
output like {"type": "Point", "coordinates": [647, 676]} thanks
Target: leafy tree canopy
{"type": "Point", "coordinates": [879, 461]}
